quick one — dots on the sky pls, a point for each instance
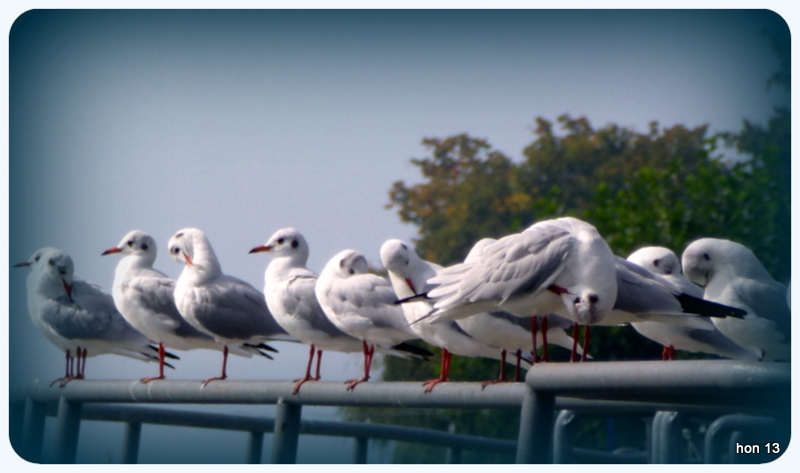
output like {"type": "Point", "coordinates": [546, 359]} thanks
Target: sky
{"type": "Point", "coordinates": [244, 122]}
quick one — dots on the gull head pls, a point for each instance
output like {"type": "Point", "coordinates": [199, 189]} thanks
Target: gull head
{"type": "Point", "coordinates": [700, 260]}
{"type": "Point", "coordinates": [588, 306]}
{"type": "Point", "coordinates": [399, 259]}
{"type": "Point", "coordinates": [286, 242]}
{"type": "Point", "coordinates": [657, 259]}
{"type": "Point", "coordinates": [184, 244]}
{"type": "Point", "coordinates": [56, 273]}
{"type": "Point", "coordinates": [136, 243]}
{"type": "Point", "coordinates": [351, 262]}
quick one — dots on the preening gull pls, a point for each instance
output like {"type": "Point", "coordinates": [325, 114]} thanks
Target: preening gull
{"type": "Point", "coordinates": [361, 305]}
{"type": "Point", "coordinates": [145, 297]}
{"type": "Point", "coordinates": [229, 309]}
{"type": "Point", "coordinates": [289, 291]}
{"type": "Point", "coordinates": [77, 316]}
{"type": "Point", "coordinates": [733, 275]}
{"type": "Point", "coordinates": [561, 265]}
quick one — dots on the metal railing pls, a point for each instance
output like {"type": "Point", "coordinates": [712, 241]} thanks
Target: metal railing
{"type": "Point", "coordinates": [665, 391]}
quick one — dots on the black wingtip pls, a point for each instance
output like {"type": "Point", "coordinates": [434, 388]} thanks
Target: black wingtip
{"type": "Point", "coordinates": [414, 350]}
{"type": "Point", "coordinates": [168, 365]}
{"type": "Point", "coordinates": [695, 305]}
{"type": "Point", "coordinates": [415, 298]}
{"type": "Point", "coordinates": [261, 346]}
{"type": "Point", "coordinates": [265, 355]}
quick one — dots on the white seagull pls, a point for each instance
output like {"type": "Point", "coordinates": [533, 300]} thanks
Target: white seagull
{"type": "Point", "coordinates": [664, 262]}
{"type": "Point", "coordinates": [733, 275]}
{"type": "Point", "coordinates": [289, 291]}
{"type": "Point", "coordinates": [408, 274]}
{"type": "Point", "coordinates": [77, 316]}
{"type": "Point", "coordinates": [558, 266]}
{"type": "Point", "coordinates": [229, 309]}
{"type": "Point", "coordinates": [145, 297]}
{"type": "Point", "coordinates": [361, 305]}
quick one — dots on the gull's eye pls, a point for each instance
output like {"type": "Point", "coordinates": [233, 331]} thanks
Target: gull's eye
{"type": "Point", "coordinates": [130, 242]}
{"type": "Point", "coordinates": [37, 258]}
{"type": "Point", "coordinates": [406, 262]}
{"type": "Point", "coordinates": [706, 257]}
{"type": "Point", "coordinates": [295, 244]}
{"type": "Point", "coordinates": [351, 271]}
{"type": "Point", "coordinates": [174, 250]}
{"type": "Point", "coordinates": [144, 246]}
{"type": "Point", "coordinates": [52, 262]}
{"type": "Point", "coordinates": [593, 298]}
{"type": "Point", "coordinates": [280, 241]}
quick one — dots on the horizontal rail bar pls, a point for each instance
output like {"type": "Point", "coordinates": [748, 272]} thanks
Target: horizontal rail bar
{"type": "Point", "coordinates": [182, 418]}
{"type": "Point", "coordinates": [394, 394]}
{"type": "Point", "coordinates": [727, 383]}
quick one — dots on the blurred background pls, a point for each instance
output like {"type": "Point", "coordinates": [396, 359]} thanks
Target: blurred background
{"type": "Point", "coordinates": [437, 127]}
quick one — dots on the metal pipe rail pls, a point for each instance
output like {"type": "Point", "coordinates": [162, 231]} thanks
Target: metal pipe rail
{"type": "Point", "coordinates": [624, 388]}
{"type": "Point", "coordinates": [733, 385]}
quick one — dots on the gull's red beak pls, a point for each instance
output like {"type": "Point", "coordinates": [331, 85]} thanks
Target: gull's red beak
{"type": "Point", "coordinates": [411, 285]}
{"type": "Point", "coordinates": [22, 265]}
{"type": "Point", "coordinates": [67, 288]}
{"type": "Point", "coordinates": [111, 251]}
{"type": "Point", "coordinates": [188, 260]}
{"type": "Point", "coordinates": [260, 249]}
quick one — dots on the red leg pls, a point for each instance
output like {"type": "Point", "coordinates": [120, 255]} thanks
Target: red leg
{"type": "Point", "coordinates": [502, 378]}
{"type": "Point", "coordinates": [445, 374]}
{"type": "Point", "coordinates": [317, 377]}
{"type": "Point", "coordinates": [307, 377]}
{"type": "Point", "coordinates": [573, 356]}
{"type": "Point", "coordinates": [67, 370]}
{"type": "Point", "coordinates": [587, 336]}
{"type": "Point", "coordinates": [545, 352]}
{"type": "Point", "coordinates": [368, 353]}
{"type": "Point", "coordinates": [517, 373]}
{"type": "Point", "coordinates": [665, 353]}
{"type": "Point", "coordinates": [161, 354]}
{"type": "Point", "coordinates": [671, 353]}
{"type": "Point", "coordinates": [224, 367]}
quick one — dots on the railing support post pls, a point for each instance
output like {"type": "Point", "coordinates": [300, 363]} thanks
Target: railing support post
{"type": "Point", "coordinates": [130, 442]}
{"type": "Point", "coordinates": [360, 450]}
{"type": "Point", "coordinates": [255, 445]}
{"type": "Point", "coordinates": [33, 430]}
{"type": "Point", "coordinates": [68, 426]}
{"type": "Point", "coordinates": [671, 439]}
{"type": "Point", "coordinates": [287, 431]}
{"type": "Point", "coordinates": [563, 436]}
{"type": "Point", "coordinates": [535, 441]}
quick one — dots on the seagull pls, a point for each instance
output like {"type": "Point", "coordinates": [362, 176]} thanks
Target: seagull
{"type": "Point", "coordinates": [733, 275]}
{"type": "Point", "coordinates": [361, 305]}
{"type": "Point", "coordinates": [560, 266]}
{"type": "Point", "coordinates": [408, 274]}
{"type": "Point", "coordinates": [145, 297]}
{"type": "Point", "coordinates": [77, 316]}
{"type": "Point", "coordinates": [665, 263]}
{"type": "Point", "coordinates": [224, 307]}
{"type": "Point", "coordinates": [289, 291]}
